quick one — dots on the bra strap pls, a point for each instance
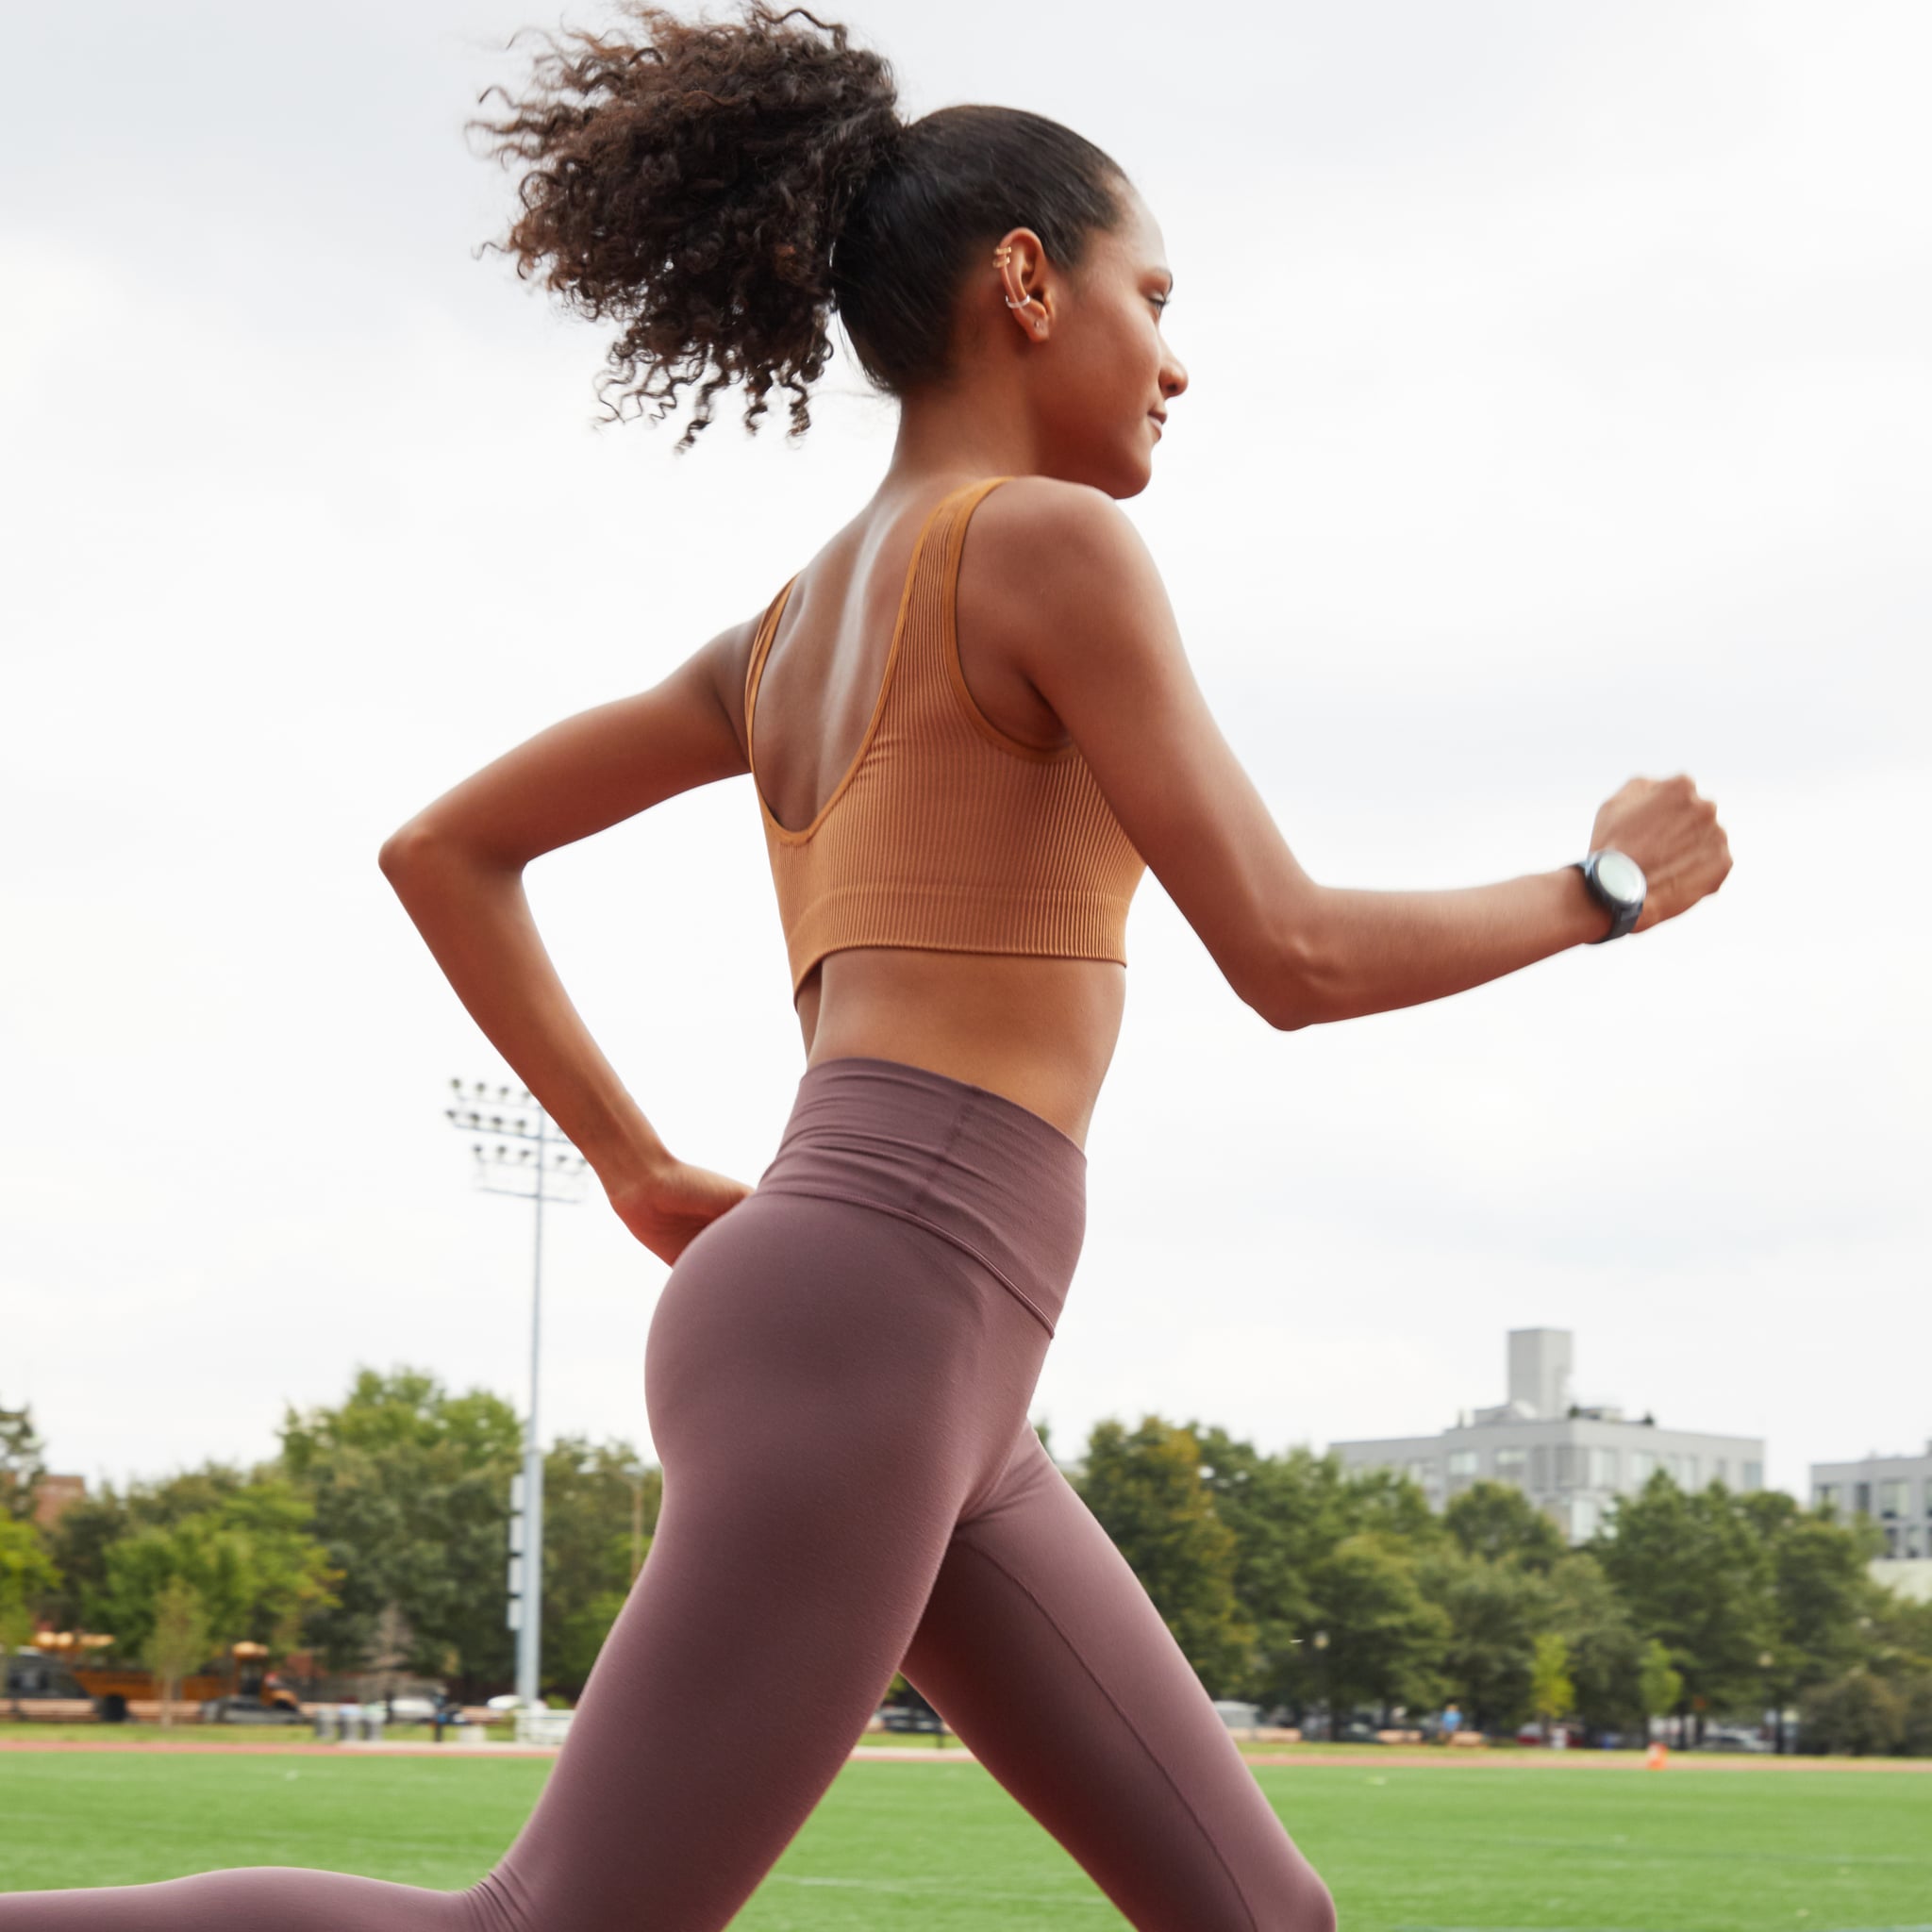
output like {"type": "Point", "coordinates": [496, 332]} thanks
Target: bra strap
{"type": "Point", "coordinates": [760, 648]}
{"type": "Point", "coordinates": [963, 502]}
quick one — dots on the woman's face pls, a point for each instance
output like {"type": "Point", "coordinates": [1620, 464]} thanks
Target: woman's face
{"type": "Point", "coordinates": [1104, 374]}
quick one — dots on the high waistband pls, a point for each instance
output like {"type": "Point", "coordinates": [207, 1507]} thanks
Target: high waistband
{"type": "Point", "coordinates": [988, 1175]}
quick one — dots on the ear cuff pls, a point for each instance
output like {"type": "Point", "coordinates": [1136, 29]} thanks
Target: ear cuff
{"type": "Point", "coordinates": [1003, 255]}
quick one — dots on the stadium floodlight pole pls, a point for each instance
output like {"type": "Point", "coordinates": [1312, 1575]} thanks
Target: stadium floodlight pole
{"type": "Point", "coordinates": [534, 1160]}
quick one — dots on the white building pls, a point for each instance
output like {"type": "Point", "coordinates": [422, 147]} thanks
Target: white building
{"type": "Point", "coordinates": [1572, 1461]}
{"type": "Point", "coordinates": [1894, 1490]}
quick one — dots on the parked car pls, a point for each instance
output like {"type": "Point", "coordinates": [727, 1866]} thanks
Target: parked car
{"type": "Point", "coordinates": [283, 1709]}
{"type": "Point", "coordinates": [1731, 1738]}
{"type": "Point", "coordinates": [911, 1717]}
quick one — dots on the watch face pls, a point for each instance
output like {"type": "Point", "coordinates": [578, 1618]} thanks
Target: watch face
{"type": "Point", "coordinates": [1621, 877]}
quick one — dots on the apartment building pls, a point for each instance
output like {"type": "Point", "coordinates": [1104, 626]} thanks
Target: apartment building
{"type": "Point", "coordinates": [1573, 1461]}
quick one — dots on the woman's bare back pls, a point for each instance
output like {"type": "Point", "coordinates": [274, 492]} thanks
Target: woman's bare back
{"type": "Point", "coordinates": [1039, 1031]}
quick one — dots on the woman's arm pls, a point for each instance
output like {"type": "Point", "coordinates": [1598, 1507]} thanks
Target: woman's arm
{"type": "Point", "coordinates": [1059, 575]}
{"type": "Point", "coordinates": [457, 868]}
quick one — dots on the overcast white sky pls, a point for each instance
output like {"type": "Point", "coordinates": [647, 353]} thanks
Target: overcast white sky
{"type": "Point", "coordinates": [1559, 412]}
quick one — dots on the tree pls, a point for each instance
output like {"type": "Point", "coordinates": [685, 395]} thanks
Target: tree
{"type": "Point", "coordinates": [1389, 1502]}
{"type": "Point", "coordinates": [1901, 1629]}
{"type": "Point", "coordinates": [1383, 1636]}
{"type": "Point", "coordinates": [600, 1514]}
{"type": "Point", "coordinates": [1279, 1513]}
{"type": "Point", "coordinates": [79, 1540]}
{"type": "Point", "coordinates": [28, 1570]}
{"type": "Point", "coordinates": [258, 1501]}
{"type": "Point", "coordinates": [1289, 1514]}
{"type": "Point", "coordinates": [21, 1464]}
{"type": "Point", "coordinates": [177, 1639]}
{"type": "Point", "coordinates": [409, 1489]}
{"type": "Point", "coordinates": [1605, 1653]}
{"type": "Point", "coordinates": [1495, 1610]}
{"type": "Point", "coordinates": [1858, 1714]}
{"type": "Point", "coordinates": [1660, 1683]}
{"type": "Point", "coordinates": [27, 1573]}
{"type": "Point", "coordinates": [1496, 1519]}
{"type": "Point", "coordinates": [294, 1576]}
{"type": "Point", "coordinates": [1146, 1491]}
{"type": "Point", "coordinates": [16, 1633]}
{"type": "Point", "coordinates": [1823, 1598]}
{"type": "Point", "coordinates": [390, 1648]}
{"type": "Point", "coordinates": [256, 1570]}
{"type": "Point", "coordinates": [1552, 1695]}
{"type": "Point", "coordinates": [1915, 1714]}
{"type": "Point", "coordinates": [1695, 1573]}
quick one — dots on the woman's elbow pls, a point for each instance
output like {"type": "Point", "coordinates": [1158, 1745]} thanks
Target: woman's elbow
{"type": "Point", "coordinates": [424, 848]}
{"type": "Point", "coordinates": [402, 851]}
{"type": "Point", "coordinates": [1292, 1019]}
{"type": "Point", "coordinates": [1298, 994]}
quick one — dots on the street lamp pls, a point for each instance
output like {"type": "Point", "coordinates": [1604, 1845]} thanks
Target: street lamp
{"type": "Point", "coordinates": [533, 1160]}
{"type": "Point", "coordinates": [1328, 1693]}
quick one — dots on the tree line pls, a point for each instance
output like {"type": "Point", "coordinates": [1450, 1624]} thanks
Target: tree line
{"type": "Point", "coordinates": [376, 1539]}
{"type": "Point", "coordinates": [1295, 1582]}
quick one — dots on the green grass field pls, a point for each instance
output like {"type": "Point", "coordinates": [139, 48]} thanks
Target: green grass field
{"type": "Point", "coordinates": [942, 1848]}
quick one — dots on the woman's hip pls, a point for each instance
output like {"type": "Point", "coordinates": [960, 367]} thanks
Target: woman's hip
{"type": "Point", "coordinates": [905, 1256]}
{"type": "Point", "coordinates": [967, 1165]}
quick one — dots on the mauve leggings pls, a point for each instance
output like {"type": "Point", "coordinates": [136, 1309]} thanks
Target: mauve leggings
{"type": "Point", "coordinates": [838, 1377]}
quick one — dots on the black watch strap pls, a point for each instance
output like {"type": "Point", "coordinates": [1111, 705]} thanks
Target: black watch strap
{"type": "Point", "coordinates": [1624, 912]}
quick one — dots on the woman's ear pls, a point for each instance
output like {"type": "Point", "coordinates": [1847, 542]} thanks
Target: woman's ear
{"type": "Point", "coordinates": [1020, 256]}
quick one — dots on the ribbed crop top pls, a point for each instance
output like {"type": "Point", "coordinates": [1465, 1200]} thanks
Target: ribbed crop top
{"type": "Point", "coordinates": [945, 833]}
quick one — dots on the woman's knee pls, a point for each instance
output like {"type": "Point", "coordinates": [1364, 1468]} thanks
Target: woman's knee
{"type": "Point", "coordinates": [1311, 1906]}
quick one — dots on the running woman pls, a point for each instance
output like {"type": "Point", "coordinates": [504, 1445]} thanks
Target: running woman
{"type": "Point", "coordinates": [969, 726]}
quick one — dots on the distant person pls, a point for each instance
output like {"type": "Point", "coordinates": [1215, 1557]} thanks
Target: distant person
{"type": "Point", "coordinates": [1451, 1722]}
{"type": "Point", "coordinates": [969, 727]}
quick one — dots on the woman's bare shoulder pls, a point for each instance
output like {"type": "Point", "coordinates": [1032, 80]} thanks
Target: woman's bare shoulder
{"type": "Point", "coordinates": [1054, 567]}
{"type": "Point", "coordinates": [1067, 532]}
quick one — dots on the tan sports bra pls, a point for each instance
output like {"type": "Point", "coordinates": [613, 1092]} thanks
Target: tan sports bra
{"type": "Point", "coordinates": [945, 833]}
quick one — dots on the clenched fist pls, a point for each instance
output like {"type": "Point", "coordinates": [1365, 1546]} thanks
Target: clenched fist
{"type": "Point", "coordinates": [1673, 835]}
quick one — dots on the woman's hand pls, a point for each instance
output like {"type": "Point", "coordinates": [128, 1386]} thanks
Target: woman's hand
{"type": "Point", "coordinates": [670, 1205]}
{"type": "Point", "coordinates": [1673, 835]}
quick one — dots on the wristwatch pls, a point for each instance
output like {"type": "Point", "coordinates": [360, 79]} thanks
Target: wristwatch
{"type": "Point", "coordinates": [1616, 883]}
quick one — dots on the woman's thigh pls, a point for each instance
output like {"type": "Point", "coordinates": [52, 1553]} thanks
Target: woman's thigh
{"type": "Point", "coordinates": [1043, 1652]}
{"type": "Point", "coordinates": [821, 1394]}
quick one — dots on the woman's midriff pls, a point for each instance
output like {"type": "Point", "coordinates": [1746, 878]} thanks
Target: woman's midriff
{"type": "Point", "coordinates": [1039, 1031]}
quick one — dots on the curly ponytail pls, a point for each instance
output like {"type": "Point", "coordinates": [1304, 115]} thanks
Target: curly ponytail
{"type": "Point", "coordinates": [719, 189]}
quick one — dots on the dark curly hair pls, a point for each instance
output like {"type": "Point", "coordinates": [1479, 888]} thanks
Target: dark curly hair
{"type": "Point", "coordinates": [718, 189]}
